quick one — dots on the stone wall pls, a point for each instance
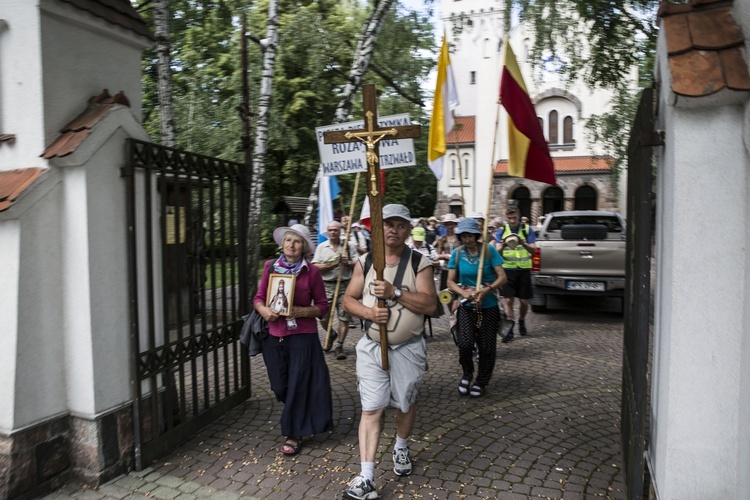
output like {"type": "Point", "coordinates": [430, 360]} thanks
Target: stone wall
{"type": "Point", "coordinates": [40, 458]}
{"type": "Point", "coordinates": [505, 186]}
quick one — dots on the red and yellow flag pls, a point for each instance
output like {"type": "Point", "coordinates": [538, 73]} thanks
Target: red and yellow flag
{"type": "Point", "coordinates": [528, 154]}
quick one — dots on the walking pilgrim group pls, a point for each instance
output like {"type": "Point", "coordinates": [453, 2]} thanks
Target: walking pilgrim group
{"type": "Point", "coordinates": [295, 359]}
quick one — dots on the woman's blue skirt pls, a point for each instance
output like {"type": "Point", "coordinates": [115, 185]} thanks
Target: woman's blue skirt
{"type": "Point", "coordinates": [300, 379]}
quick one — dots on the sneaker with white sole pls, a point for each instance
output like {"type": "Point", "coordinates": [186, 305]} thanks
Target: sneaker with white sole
{"type": "Point", "coordinates": [361, 489]}
{"type": "Point", "coordinates": [401, 462]}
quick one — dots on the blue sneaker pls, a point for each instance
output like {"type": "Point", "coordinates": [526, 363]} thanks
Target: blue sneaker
{"type": "Point", "coordinates": [361, 489]}
{"type": "Point", "coordinates": [401, 462]}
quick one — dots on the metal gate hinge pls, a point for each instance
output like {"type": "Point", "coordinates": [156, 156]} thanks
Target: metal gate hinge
{"type": "Point", "coordinates": [652, 138]}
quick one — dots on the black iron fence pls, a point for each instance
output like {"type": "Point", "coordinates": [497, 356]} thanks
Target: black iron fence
{"type": "Point", "coordinates": [188, 292]}
{"type": "Point", "coordinates": [638, 294]}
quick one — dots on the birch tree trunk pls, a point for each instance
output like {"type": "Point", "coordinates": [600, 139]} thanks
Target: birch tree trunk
{"type": "Point", "coordinates": [362, 57]}
{"type": "Point", "coordinates": [261, 143]}
{"type": "Point", "coordinates": [164, 73]}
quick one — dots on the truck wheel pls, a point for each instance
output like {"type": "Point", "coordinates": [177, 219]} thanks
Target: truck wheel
{"type": "Point", "coordinates": [541, 304]}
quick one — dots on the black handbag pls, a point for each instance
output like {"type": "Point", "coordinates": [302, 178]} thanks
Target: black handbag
{"type": "Point", "coordinates": [254, 330]}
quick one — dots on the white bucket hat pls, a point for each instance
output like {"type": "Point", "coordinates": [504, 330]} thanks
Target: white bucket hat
{"type": "Point", "coordinates": [298, 229]}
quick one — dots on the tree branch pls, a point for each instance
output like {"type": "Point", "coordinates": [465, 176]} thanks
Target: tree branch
{"type": "Point", "coordinates": [257, 40]}
{"type": "Point", "coordinates": [399, 90]}
{"type": "Point", "coordinates": [144, 6]}
{"type": "Point", "coordinates": [388, 81]}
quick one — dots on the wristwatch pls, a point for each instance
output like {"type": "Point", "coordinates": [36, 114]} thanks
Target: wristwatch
{"type": "Point", "coordinates": [397, 293]}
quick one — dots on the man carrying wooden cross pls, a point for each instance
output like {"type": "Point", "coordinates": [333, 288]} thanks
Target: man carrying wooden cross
{"type": "Point", "coordinates": [408, 289]}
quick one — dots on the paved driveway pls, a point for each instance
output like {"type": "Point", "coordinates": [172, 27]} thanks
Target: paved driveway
{"type": "Point", "coordinates": [548, 427]}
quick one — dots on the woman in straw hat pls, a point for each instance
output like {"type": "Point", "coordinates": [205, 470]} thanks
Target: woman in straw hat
{"type": "Point", "coordinates": [478, 315]}
{"type": "Point", "coordinates": [292, 353]}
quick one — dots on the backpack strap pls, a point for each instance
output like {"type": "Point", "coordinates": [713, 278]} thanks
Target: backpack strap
{"type": "Point", "coordinates": [402, 263]}
{"type": "Point", "coordinates": [415, 259]}
{"type": "Point", "coordinates": [368, 264]}
{"type": "Point", "coordinates": [458, 270]}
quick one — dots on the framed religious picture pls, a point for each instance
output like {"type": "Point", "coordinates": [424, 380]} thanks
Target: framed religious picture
{"type": "Point", "coordinates": [280, 293]}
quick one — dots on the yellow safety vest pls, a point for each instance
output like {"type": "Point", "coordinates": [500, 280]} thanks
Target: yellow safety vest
{"type": "Point", "coordinates": [518, 258]}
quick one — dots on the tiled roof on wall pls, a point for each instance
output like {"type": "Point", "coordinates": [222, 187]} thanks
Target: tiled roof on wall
{"type": "Point", "coordinates": [568, 164]}
{"type": "Point", "coordinates": [73, 134]}
{"type": "Point", "coordinates": [464, 128]}
{"type": "Point", "coordinates": [117, 12]}
{"type": "Point", "coordinates": [704, 45]}
{"type": "Point", "coordinates": [14, 182]}
{"type": "Point", "coordinates": [292, 204]}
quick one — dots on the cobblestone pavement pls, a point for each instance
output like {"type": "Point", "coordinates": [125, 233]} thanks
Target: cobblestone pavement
{"type": "Point", "coordinates": [548, 427]}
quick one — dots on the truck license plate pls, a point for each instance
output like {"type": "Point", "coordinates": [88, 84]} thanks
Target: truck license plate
{"type": "Point", "coordinates": [592, 286]}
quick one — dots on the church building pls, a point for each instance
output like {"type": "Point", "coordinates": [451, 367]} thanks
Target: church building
{"type": "Point", "coordinates": [477, 153]}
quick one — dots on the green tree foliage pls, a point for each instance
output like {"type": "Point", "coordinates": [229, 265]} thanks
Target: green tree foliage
{"type": "Point", "coordinates": [316, 47]}
{"type": "Point", "coordinates": [618, 35]}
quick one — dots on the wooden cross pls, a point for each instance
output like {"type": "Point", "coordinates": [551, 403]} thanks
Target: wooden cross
{"type": "Point", "coordinates": [371, 135]}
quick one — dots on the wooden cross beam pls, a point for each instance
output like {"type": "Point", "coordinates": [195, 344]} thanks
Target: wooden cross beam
{"type": "Point", "coordinates": [371, 135]}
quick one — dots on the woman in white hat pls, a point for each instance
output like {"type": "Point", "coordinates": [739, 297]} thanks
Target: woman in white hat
{"type": "Point", "coordinates": [292, 353]}
{"type": "Point", "coordinates": [446, 244]}
{"type": "Point", "coordinates": [478, 314]}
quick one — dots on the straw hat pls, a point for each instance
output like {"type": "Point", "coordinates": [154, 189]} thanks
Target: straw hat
{"type": "Point", "coordinates": [512, 241]}
{"type": "Point", "coordinates": [449, 218]}
{"type": "Point", "coordinates": [298, 229]}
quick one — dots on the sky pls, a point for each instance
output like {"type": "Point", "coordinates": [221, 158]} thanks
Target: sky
{"type": "Point", "coordinates": [419, 5]}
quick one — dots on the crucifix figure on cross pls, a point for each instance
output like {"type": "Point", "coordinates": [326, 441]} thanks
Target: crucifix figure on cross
{"type": "Point", "coordinates": [371, 136]}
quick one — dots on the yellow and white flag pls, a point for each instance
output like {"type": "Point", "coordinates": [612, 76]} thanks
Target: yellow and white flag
{"type": "Point", "coordinates": [441, 123]}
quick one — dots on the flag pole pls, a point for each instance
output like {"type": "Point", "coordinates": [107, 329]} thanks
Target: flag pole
{"type": "Point", "coordinates": [344, 250]}
{"type": "Point", "coordinates": [489, 194]}
{"type": "Point", "coordinates": [460, 169]}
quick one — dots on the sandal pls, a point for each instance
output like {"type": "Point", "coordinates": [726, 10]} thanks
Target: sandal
{"type": "Point", "coordinates": [291, 447]}
{"type": "Point", "coordinates": [476, 391]}
{"type": "Point", "coordinates": [463, 386]}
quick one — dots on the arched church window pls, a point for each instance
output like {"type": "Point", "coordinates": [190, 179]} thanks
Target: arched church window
{"type": "Point", "coordinates": [568, 130]}
{"type": "Point", "coordinates": [552, 139]}
{"type": "Point", "coordinates": [522, 196]}
{"type": "Point", "coordinates": [552, 200]}
{"type": "Point", "coordinates": [585, 198]}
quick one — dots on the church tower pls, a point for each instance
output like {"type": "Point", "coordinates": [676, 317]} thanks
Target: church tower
{"type": "Point", "coordinates": [477, 148]}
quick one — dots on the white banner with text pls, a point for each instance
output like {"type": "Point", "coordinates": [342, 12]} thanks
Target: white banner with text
{"type": "Point", "coordinates": [347, 158]}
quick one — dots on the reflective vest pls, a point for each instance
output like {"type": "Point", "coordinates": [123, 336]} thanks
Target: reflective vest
{"type": "Point", "coordinates": [518, 258]}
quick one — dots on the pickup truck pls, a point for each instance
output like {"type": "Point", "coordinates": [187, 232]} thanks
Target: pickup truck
{"type": "Point", "coordinates": [578, 253]}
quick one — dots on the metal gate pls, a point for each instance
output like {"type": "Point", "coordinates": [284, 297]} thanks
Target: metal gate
{"type": "Point", "coordinates": [188, 292]}
{"type": "Point", "coordinates": [637, 294]}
